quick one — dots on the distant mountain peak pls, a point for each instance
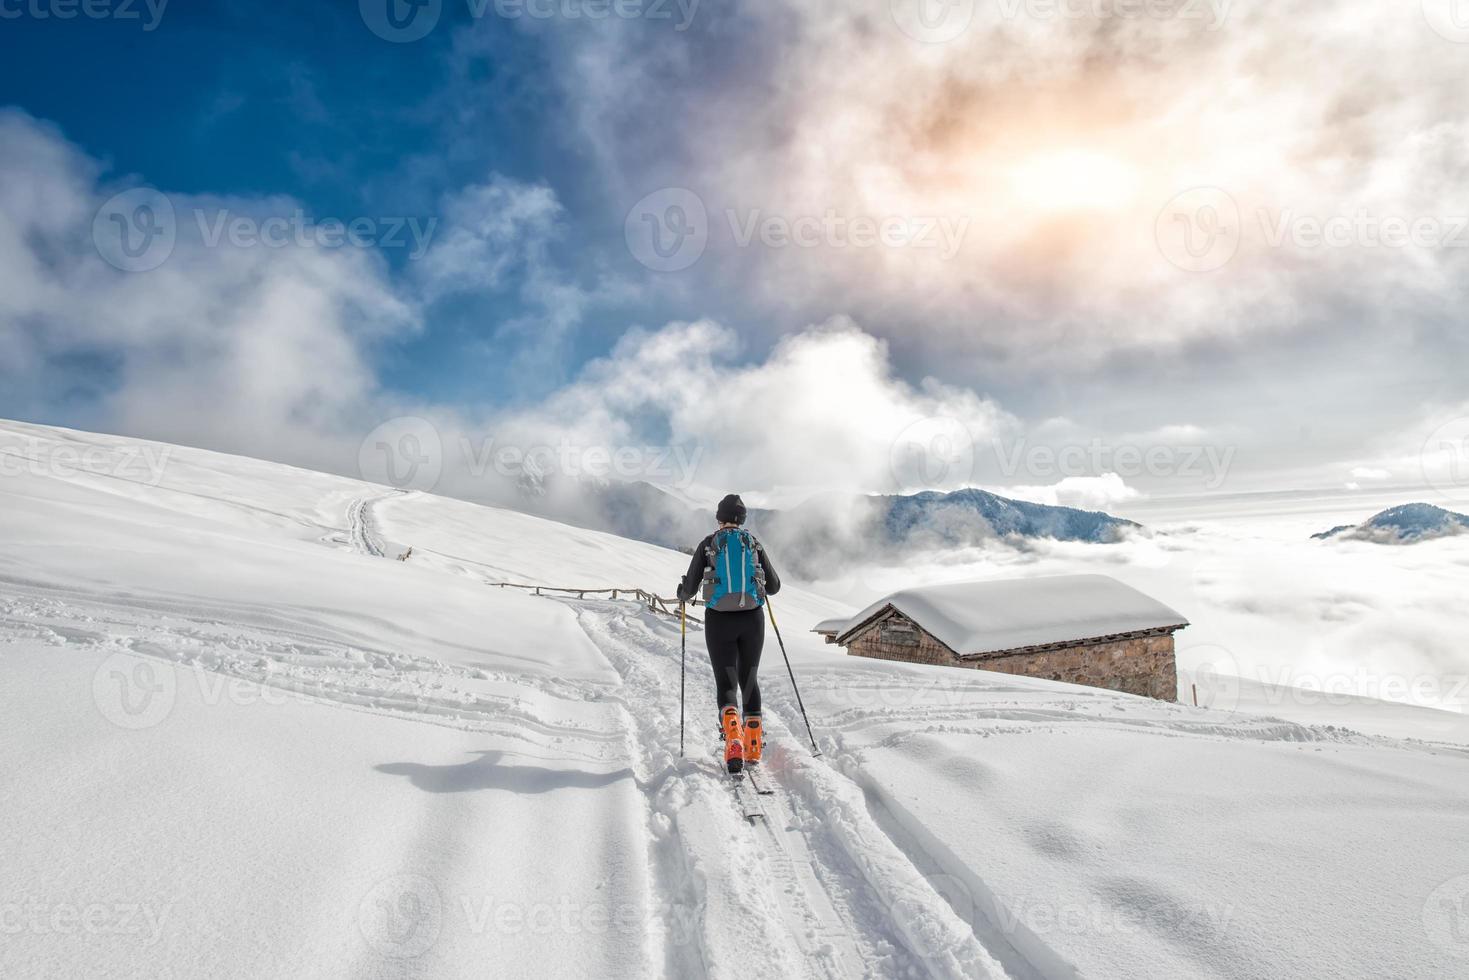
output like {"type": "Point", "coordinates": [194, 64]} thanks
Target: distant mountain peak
{"type": "Point", "coordinates": [1403, 524]}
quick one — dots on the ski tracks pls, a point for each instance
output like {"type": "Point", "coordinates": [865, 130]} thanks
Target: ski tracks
{"type": "Point", "coordinates": [817, 889]}
{"type": "Point", "coordinates": [361, 531]}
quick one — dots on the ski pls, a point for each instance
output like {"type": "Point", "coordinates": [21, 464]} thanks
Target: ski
{"type": "Point", "coordinates": [761, 787]}
{"type": "Point", "coordinates": [750, 807]}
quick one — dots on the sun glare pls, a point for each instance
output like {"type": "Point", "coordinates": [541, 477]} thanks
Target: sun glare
{"type": "Point", "coordinates": [1074, 180]}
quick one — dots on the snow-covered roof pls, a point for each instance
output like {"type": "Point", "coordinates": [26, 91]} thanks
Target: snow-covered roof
{"type": "Point", "coordinates": [832, 626]}
{"type": "Point", "coordinates": [973, 618]}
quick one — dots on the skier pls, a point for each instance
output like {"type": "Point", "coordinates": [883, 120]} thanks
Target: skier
{"type": "Point", "coordinates": [735, 575]}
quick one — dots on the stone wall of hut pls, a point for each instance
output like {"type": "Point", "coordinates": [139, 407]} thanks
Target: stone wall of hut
{"type": "Point", "coordinates": [1141, 665]}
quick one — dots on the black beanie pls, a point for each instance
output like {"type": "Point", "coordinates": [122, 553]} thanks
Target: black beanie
{"type": "Point", "coordinates": [731, 510]}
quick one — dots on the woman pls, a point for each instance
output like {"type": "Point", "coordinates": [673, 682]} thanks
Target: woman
{"type": "Point", "coordinates": [735, 574]}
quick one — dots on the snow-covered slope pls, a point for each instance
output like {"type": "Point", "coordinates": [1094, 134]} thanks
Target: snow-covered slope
{"type": "Point", "coordinates": [239, 739]}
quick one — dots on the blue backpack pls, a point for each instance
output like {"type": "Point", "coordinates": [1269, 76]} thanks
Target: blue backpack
{"type": "Point", "coordinates": [733, 578]}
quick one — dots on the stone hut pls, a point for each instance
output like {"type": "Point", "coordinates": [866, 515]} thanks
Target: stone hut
{"type": "Point", "coordinates": [1084, 629]}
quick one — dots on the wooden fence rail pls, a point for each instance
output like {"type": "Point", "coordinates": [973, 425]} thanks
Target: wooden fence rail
{"type": "Point", "coordinates": [655, 603]}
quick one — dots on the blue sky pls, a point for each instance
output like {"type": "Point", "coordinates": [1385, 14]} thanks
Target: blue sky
{"type": "Point", "coordinates": [309, 103]}
{"type": "Point", "coordinates": [990, 219]}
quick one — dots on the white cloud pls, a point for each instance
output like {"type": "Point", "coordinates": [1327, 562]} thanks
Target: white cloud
{"type": "Point", "coordinates": [252, 349]}
{"type": "Point", "coordinates": [837, 110]}
{"type": "Point", "coordinates": [1085, 492]}
{"type": "Point", "coordinates": [822, 410]}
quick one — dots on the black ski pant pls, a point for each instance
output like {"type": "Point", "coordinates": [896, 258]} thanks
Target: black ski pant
{"type": "Point", "coordinates": [735, 640]}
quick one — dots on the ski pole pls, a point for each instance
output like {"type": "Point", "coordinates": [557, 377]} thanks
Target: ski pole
{"type": "Point", "coordinates": [770, 609]}
{"type": "Point", "coordinates": [683, 659]}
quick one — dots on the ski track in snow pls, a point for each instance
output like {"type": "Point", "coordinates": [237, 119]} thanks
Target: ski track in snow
{"type": "Point", "coordinates": [833, 895]}
{"type": "Point", "coordinates": [361, 530]}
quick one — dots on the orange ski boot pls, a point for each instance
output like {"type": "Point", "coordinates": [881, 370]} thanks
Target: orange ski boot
{"type": "Point", "coordinates": [754, 739]}
{"type": "Point", "coordinates": [734, 740]}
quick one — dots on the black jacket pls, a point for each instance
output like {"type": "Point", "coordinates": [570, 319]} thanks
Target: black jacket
{"type": "Point", "coordinates": [688, 587]}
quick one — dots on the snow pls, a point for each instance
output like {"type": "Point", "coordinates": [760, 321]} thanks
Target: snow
{"type": "Point", "coordinates": [988, 616]}
{"type": "Point", "coordinates": [237, 743]}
